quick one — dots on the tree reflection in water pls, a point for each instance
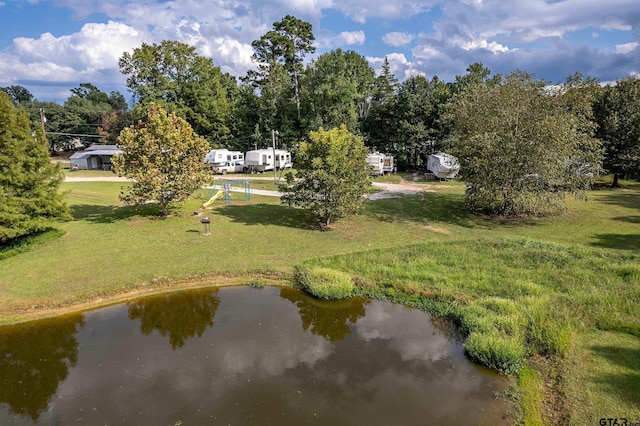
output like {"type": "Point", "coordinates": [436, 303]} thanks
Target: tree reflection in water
{"type": "Point", "coordinates": [34, 358]}
{"type": "Point", "coordinates": [326, 318]}
{"type": "Point", "coordinates": [181, 315]}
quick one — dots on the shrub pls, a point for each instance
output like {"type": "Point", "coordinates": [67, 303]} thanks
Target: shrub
{"type": "Point", "coordinates": [326, 283]}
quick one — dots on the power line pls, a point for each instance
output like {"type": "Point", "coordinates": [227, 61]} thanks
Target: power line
{"type": "Point", "coordinates": [75, 134]}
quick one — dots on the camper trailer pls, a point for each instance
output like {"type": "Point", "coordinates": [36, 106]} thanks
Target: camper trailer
{"type": "Point", "coordinates": [219, 157]}
{"type": "Point", "coordinates": [388, 166]}
{"type": "Point", "coordinates": [260, 160]}
{"type": "Point", "coordinates": [375, 161]}
{"type": "Point", "coordinates": [443, 166]}
{"type": "Point", "coordinates": [380, 164]}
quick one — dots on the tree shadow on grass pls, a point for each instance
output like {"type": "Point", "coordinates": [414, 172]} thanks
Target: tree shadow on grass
{"type": "Point", "coordinates": [618, 241]}
{"type": "Point", "coordinates": [629, 219]}
{"type": "Point", "coordinates": [437, 207]}
{"type": "Point", "coordinates": [110, 214]}
{"type": "Point", "coordinates": [270, 214]}
{"type": "Point", "coordinates": [623, 384]}
{"type": "Point", "coordinates": [629, 199]}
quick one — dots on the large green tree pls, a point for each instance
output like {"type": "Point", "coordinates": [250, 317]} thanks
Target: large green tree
{"type": "Point", "coordinates": [420, 127]}
{"type": "Point", "coordinates": [518, 145]}
{"type": "Point", "coordinates": [173, 75]}
{"type": "Point", "coordinates": [338, 90]}
{"type": "Point", "coordinates": [29, 197]}
{"type": "Point", "coordinates": [163, 156]}
{"type": "Point", "coordinates": [286, 45]}
{"type": "Point", "coordinates": [19, 94]}
{"type": "Point", "coordinates": [332, 176]}
{"type": "Point", "coordinates": [617, 113]}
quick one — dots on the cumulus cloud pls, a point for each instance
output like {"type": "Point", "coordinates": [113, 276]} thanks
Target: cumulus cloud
{"type": "Point", "coordinates": [398, 64]}
{"type": "Point", "coordinates": [327, 40]}
{"type": "Point", "coordinates": [352, 37]}
{"type": "Point", "coordinates": [626, 48]}
{"type": "Point", "coordinates": [397, 39]}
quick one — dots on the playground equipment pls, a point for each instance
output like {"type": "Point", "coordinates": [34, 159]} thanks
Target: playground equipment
{"type": "Point", "coordinates": [214, 197]}
{"type": "Point", "coordinates": [217, 193]}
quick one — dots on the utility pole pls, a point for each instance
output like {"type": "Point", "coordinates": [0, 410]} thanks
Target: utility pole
{"type": "Point", "coordinates": [273, 138]}
{"type": "Point", "coordinates": [43, 120]}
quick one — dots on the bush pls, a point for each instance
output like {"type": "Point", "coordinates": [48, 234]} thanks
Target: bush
{"type": "Point", "coordinates": [503, 353]}
{"type": "Point", "coordinates": [326, 283]}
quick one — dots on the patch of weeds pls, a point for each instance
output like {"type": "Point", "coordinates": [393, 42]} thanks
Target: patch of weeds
{"type": "Point", "coordinates": [325, 283]}
{"type": "Point", "coordinates": [505, 354]}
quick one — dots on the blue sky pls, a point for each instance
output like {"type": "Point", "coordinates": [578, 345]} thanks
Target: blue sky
{"type": "Point", "coordinates": [52, 46]}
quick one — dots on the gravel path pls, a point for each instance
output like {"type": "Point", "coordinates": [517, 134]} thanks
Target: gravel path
{"type": "Point", "coordinates": [388, 190]}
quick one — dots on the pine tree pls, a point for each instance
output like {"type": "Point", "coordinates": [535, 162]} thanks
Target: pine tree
{"type": "Point", "coordinates": [29, 197]}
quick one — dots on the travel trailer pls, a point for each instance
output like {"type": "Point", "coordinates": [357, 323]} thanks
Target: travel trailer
{"type": "Point", "coordinates": [260, 160]}
{"type": "Point", "coordinates": [380, 164]}
{"type": "Point", "coordinates": [219, 157]}
{"type": "Point", "coordinates": [375, 160]}
{"type": "Point", "coordinates": [443, 166]}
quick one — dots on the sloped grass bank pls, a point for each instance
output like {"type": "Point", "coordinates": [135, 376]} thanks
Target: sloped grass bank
{"type": "Point", "coordinates": [512, 298]}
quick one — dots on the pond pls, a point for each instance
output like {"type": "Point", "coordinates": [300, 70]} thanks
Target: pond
{"type": "Point", "coordinates": [241, 355]}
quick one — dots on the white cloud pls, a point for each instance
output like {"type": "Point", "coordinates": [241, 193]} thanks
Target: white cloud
{"type": "Point", "coordinates": [626, 48]}
{"type": "Point", "coordinates": [327, 40]}
{"type": "Point", "coordinates": [362, 10]}
{"type": "Point", "coordinates": [399, 65]}
{"type": "Point", "coordinates": [397, 39]}
{"type": "Point", "coordinates": [352, 37]}
{"type": "Point", "coordinates": [483, 44]}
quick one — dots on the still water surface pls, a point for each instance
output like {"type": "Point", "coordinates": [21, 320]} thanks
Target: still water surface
{"type": "Point", "coordinates": [243, 356]}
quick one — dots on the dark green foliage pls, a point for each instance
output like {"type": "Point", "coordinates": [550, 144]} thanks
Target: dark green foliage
{"type": "Point", "coordinates": [19, 94]}
{"type": "Point", "coordinates": [174, 76]}
{"type": "Point", "coordinates": [331, 177]}
{"type": "Point", "coordinates": [286, 45]}
{"type": "Point", "coordinates": [521, 148]}
{"type": "Point", "coordinates": [617, 113]}
{"type": "Point", "coordinates": [337, 90]}
{"type": "Point", "coordinates": [29, 198]}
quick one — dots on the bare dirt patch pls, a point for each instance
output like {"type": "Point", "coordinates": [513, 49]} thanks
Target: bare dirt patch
{"type": "Point", "coordinates": [438, 230]}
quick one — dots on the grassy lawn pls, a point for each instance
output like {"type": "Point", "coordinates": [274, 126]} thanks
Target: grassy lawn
{"type": "Point", "coordinates": [564, 289]}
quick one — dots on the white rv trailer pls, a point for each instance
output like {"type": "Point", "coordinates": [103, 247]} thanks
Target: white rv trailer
{"type": "Point", "coordinates": [219, 157]}
{"type": "Point", "coordinates": [380, 164]}
{"type": "Point", "coordinates": [388, 166]}
{"type": "Point", "coordinates": [443, 166]}
{"type": "Point", "coordinates": [375, 160]}
{"type": "Point", "coordinates": [260, 160]}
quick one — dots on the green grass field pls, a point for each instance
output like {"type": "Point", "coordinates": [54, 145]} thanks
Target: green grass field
{"type": "Point", "coordinates": [562, 289]}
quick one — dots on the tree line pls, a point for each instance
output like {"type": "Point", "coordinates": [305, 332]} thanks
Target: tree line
{"type": "Point", "coordinates": [522, 142]}
{"type": "Point", "coordinates": [406, 119]}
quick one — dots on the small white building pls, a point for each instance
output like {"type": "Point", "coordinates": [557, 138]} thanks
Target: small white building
{"type": "Point", "coordinates": [96, 157]}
